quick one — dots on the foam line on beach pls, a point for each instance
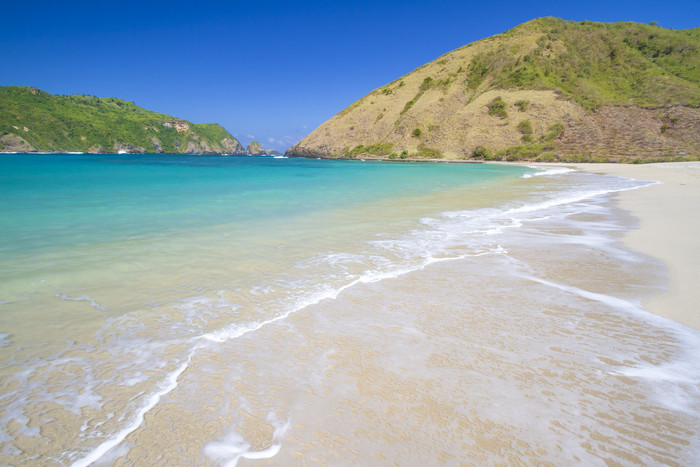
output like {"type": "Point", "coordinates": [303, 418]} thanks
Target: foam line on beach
{"type": "Point", "coordinates": [508, 213]}
{"type": "Point", "coordinates": [547, 171]}
{"type": "Point", "coordinates": [235, 331]}
{"type": "Point", "coordinates": [169, 384]}
{"type": "Point", "coordinates": [685, 333]}
{"type": "Point", "coordinates": [679, 371]}
{"type": "Point", "coordinates": [573, 198]}
{"type": "Point", "coordinates": [232, 447]}
{"type": "Point", "coordinates": [83, 298]}
{"type": "Point", "coordinates": [232, 332]}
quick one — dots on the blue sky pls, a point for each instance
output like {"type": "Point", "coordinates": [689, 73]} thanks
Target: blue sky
{"type": "Point", "coordinates": [266, 70]}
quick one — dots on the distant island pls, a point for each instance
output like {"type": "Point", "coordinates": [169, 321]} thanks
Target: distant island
{"type": "Point", "coordinates": [256, 149]}
{"type": "Point", "coordinates": [32, 120]}
{"type": "Point", "coordinates": [547, 90]}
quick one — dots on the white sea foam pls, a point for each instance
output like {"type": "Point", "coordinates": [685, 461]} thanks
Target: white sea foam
{"type": "Point", "coordinates": [110, 457]}
{"type": "Point", "coordinates": [232, 447]}
{"type": "Point", "coordinates": [169, 383]}
{"type": "Point", "coordinates": [84, 298]}
{"type": "Point", "coordinates": [329, 293]}
{"type": "Point", "coordinates": [675, 383]}
{"type": "Point", "coordinates": [570, 198]}
{"type": "Point", "coordinates": [609, 300]}
{"type": "Point", "coordinates": [198, 310]}
{"type": "Point", "coordinates": [261, 290]}
{"type": "Point", "coordinates": [547, 171]}
{"type": "Point", "coordinates": [415, 251]}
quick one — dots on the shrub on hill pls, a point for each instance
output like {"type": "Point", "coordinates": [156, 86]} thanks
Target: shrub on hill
{"type": "Point", "coordinates": [498, 108]}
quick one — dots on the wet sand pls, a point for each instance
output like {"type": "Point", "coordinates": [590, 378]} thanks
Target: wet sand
{"type": "Point", "coordinates": [534, 355]}
{"type": "Point", "coordinates": [669, 229]}
{"type": "Point", "coordinates": [531, 349]}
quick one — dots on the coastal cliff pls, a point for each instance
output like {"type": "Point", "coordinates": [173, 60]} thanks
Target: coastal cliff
{"type": "Point", "coordinates": [547, 90]}
{"type": "Point", "coordinates": [33, 120]}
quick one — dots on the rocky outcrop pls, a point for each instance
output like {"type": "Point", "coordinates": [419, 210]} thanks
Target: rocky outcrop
{"type": "Point", "coordinates": [10, 142]}
{"type": "Point", "coordinates": [310, 149]}
{"type": "Point", "coordinates": [179, 125]}
{"type": "Point", "coordinates": [128, 148]}
{"type": "Point", "coordinates": [192, 148]}
{"type": "Point", "coordinates": [156, 145]}
{"type": "Point", "coordinates": [255, 149]}
{"type": "Point", "coordinates": [232, 146]}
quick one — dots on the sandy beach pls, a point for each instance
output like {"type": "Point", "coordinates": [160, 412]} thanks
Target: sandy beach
{"type": "Point", "coordinates": [669, 228]}
{"type": "Point", "coordinates": [501, 321]}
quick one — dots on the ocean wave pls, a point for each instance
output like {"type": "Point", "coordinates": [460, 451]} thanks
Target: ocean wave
{"type": "Point", "coordinates": [543, 171]}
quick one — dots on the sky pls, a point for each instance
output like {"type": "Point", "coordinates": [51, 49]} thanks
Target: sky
{"type": "Point", "coordinates": [269, 71]}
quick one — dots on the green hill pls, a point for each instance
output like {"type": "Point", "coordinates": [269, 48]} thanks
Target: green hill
{"type": "Point", "coordinates": [596, 63]}
{"type": "Point", "coordinates": [33, 120]}
{"type": "Point", "coordinates": [548, 89]}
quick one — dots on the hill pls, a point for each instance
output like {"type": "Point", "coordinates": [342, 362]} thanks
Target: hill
{"type": "Point", "coordinates": [33, 120]}
{"type": "Point", "coordinates": [546, 90]}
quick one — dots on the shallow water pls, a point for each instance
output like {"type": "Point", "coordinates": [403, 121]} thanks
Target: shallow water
{"type": "Point", "coordinates": [162, 309]}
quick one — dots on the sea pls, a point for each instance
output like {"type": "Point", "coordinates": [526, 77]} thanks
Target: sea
{"type": "Point", "coordinates": [240, 310]}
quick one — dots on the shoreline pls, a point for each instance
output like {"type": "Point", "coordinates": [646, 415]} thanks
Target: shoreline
{"type": "Point", "coordinates": [669, 228]}
{"type": "Point", "coordinates": [669, 223]}
{"type": "Point", "coordinates": [495, 335]}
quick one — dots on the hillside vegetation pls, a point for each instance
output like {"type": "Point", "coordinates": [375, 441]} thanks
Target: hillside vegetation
{"type": "Point", "coordinates": [548, 89]}
{"type": "Point", "coordinates": [33, 120]}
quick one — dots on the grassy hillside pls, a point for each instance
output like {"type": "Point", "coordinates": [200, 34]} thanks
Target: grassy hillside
{"type": "Point", "coordinates": [548, 89]}
{"type": "Point", "coordinates": [595, 63]}
{"type": "Point", "coordinates": [33, 120]}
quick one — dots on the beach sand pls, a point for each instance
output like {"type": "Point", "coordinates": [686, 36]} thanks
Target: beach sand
{"type": "Point", "coordinates": [669, 229]}
{"type": "Point", "coordinates": [523, 343]}
{"type": "Point", "coordinates": [537, 355]}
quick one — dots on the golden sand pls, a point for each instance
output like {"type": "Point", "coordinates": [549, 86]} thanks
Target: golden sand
{"type": "Point", "coordinates": [669, 229]}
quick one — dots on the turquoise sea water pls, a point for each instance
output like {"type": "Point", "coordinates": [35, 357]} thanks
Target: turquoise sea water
{"type": "Point", "coordinates": [175, 227]}
{"type": "Point", "coordinates": [51, 201]}
{"type": "Point", "coordinates": [118, 273]}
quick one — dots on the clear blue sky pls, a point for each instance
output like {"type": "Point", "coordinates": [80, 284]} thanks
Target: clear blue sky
{"type": "Point", "coordinates": [266, 70]}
